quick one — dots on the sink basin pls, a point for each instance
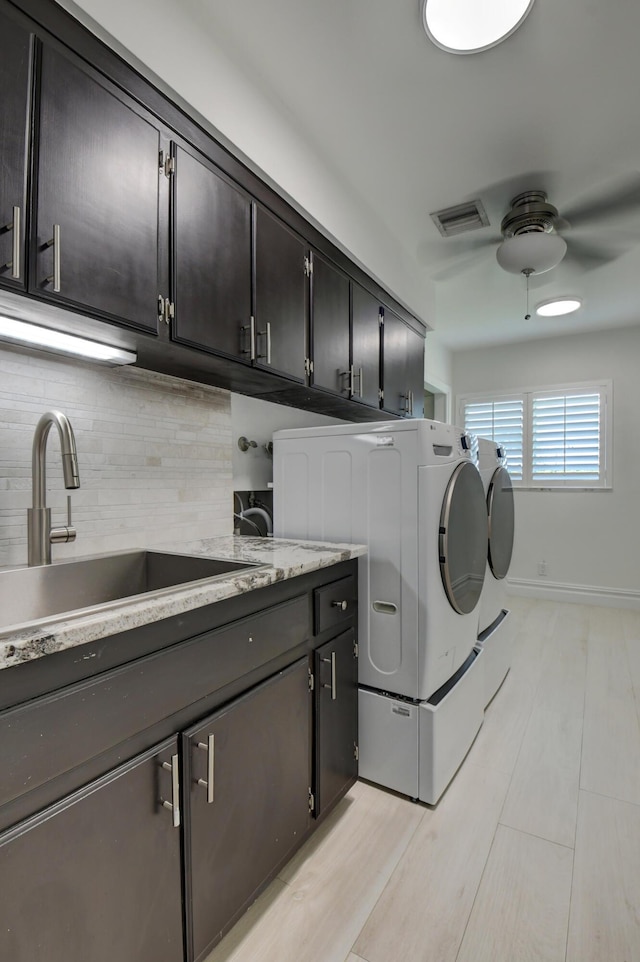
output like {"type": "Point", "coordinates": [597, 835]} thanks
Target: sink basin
{"type": "Point", "coordinates": [48, 592]}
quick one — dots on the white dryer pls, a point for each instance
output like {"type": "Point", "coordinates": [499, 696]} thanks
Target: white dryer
{"type": "Point", "coordinates": [411, 491]}
{"type": "Point", "coordinates": [494, 626]}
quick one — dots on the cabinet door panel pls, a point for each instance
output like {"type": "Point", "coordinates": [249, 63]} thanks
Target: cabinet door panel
{"type": "Point", "coordinates": [394, 348]}
{"type": "Point", "coordinates": [281, 297]}
{"type": "Point", "coordinates": [261, 770]}
{"type": "Point", "coordinates": [98, 180]}
{"type": "Point", "coordinates": [212, 259]}
{"type": "Point", "coordinates": [97, 877]}
{"type": "Point", "coordinates": [336, 673]}
{"type": "Point", "coordinates": [415, 372]}
{"type": "Point", "coordinates": [330, 327]}
{"type": "Point", "coordinates": [365, 328]}
{"type": "Point", "coordinates": [15, 73]}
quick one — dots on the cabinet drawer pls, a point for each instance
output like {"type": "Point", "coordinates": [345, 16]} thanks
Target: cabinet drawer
{"type": "Point", "coordinates": [334, 604]}
{"type": "Point", "coordinates": [56, 733]}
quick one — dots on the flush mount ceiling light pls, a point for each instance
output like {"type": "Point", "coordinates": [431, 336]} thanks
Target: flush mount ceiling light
{"type": "Point", "coordinates": [469, 26]}
{"type": "Point", "coordinates": [22, 332]}
{"type": "Point", "coordinates": [532, 253]}
{"type": "Point", "coordinates": [558, 306]}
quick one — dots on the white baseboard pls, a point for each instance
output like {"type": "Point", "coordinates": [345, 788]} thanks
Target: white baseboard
{"type": "Point", "coordinates": [576, 594]}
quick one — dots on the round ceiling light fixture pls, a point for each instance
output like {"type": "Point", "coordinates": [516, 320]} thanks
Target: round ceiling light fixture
{"type": "Point", "coordinates": [557, 306]}
{"type": "Point", "coordinates": [533, 253]}
{"type": "Point", "coordinates": [469, 26]}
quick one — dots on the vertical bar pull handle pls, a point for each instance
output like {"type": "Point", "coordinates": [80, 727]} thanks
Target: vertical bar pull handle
{"type": "Point", "coordinates": [174, 804]}
{"type": "Point", "coordinates": [15, 227]}
{"type": "Point", "coordinates": [209, 748]}
{"type": "Point", "coordinates": [252, 337]}
{"type": "Point", "coordinates": [269, 343]}
{"type": "Point", "coordinates": [333, 686]}
{"type": "Point", "coordinates": [55, 243]}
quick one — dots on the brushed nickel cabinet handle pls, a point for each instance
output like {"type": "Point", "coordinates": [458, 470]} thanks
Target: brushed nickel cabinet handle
{"type": "Point", "coordinates": [342, 605]}
{"type": "Point", "coordinates": [174, 804]}
{"type": "Point", "coordinates": [55, 243]}
{"type": "Point", "coordinates": [209, 748]}
{"type": "Point", "coordinates": [14, 226]}
{"type": "Point", "coordinates": [333, 686]}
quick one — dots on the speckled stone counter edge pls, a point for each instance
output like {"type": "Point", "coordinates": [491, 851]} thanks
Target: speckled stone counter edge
{"type": "Point", "coordinates": [282, 559]}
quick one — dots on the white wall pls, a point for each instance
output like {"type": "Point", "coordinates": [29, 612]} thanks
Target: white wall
{"type": "Point", "coordinates": [588, 539]}
{"type": "Point", "coordinates": [257, 420]}
{"type": "Point", "coordinates": [154, 455]}
{"type": "Point", "coordinates": [188, 59]}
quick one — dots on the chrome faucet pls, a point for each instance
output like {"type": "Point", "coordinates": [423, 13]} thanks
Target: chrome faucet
{"type": "Point", "coordinates": [40, 534]}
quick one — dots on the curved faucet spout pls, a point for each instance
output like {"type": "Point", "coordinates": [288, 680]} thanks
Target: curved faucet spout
{"type": "Point", "coordinates": [40, 533]}
{"type": "Point", "coordinates": [38, 458]}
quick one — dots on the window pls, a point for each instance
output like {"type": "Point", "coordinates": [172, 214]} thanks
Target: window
{"type": "Point", "coordinates": [553, 437]}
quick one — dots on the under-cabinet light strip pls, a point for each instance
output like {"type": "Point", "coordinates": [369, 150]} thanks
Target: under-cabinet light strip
{"type": "Point", "coordinates": [23, 332]}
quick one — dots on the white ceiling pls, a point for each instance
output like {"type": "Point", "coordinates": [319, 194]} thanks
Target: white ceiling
{"type": "Point", "coordinates": [413, 129]}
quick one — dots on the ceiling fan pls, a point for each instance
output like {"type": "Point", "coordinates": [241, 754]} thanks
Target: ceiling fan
{"type": "Point", "coordinates": [533, 231]}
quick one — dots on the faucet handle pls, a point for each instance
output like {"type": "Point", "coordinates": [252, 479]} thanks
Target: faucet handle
{"type": "Point", "coordinates": [68, 532]}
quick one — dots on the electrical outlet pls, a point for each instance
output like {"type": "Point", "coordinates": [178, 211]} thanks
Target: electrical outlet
{"type": "Point", "coordinates": [542, 568]}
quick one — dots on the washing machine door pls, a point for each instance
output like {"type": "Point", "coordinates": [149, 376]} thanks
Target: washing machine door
{"type": "Point", "coordinates": [501, 522]}
{"type": "Point", "coordinates": [463, 538]}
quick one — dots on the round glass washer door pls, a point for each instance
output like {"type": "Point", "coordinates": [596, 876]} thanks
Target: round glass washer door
{"type": "Point", "coordinates": [463, 538]}
{"type": "Point", "coordinates": [501, 522]}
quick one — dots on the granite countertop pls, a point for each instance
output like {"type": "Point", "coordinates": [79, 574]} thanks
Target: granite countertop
{"type": "Point", "coordinates": [281, 559]}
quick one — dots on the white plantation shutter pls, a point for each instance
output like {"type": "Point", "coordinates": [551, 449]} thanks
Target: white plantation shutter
{"type": "Point", "coordinates": [556, 437]}
{"type": "Point", "coordinates": [503, 421]}
{"type": "Point", "coordinates": [566, 439]}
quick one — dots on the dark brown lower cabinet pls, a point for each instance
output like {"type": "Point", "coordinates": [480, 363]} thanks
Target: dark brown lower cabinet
{"type": "Point", "coordinates": [247, 782]}
{"type": "Point", "coordinates": [336, 744]}
{"type": "Point", "coordinates": [97, 876]}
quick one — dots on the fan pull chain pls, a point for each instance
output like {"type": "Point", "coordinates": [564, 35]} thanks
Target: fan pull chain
{"type": "Point", "coordinates": [528, 271]}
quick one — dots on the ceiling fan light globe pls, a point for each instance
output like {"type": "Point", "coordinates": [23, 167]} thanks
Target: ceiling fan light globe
{"type": "Point", "coordinates": [536, 252]}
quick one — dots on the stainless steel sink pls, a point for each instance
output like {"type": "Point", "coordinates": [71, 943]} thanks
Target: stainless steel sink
{"type": "Point", "coordinates": [52, 591]}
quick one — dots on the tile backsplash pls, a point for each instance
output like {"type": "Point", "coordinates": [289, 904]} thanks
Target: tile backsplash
{"type": "Point", "coordinates": [154, 454]}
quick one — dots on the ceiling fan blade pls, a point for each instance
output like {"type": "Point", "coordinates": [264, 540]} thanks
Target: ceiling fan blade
{"type": "Point", "coordinates": [619, 201]}
{"type": "Point", "coordinates": [458, 266]}
{"type": "Point", "coordinates": [588, 255]}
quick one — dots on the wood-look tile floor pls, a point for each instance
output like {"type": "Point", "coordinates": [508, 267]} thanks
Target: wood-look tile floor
{"type": "Point", "coordinates": [533, 853]}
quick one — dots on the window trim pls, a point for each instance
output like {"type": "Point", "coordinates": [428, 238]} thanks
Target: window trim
{"type": "Point", "coordinates": [602, 387]}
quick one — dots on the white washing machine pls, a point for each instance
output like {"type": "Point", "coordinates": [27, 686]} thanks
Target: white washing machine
{"type": "Point", "coordinates": [494, 624]}
{"type": "Point", "coordinates": [411, 491]}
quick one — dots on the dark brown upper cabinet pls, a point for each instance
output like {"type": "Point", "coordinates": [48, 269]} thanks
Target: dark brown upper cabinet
{"type": "Point", "coordinates": [15, 80]}
{"type": "Point", "coordinates": [212, 259]}
{"type": "Point", "coordinates": [365, 345]}
{"type": "Point", "coordinates": [330, 327]}
{"type": "Point", "coordinates": [280, 342]}
{"type": "Point", "coordinates": [97, 210]}
{"type": "Point", "coordinates": [402, 367]}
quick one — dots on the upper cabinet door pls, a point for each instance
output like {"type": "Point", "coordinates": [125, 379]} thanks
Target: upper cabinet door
{"type": "Point", "coordinates": [212, 259]}
{"type": "Point", "coordinates": [15, 76]}
{"type": "Point", "coordinates": [415, 372]}
{"type": "Point", "coordinates": [403, 367]}
{"type": "Point", "coordinates": [330, 327]}
{"type": "Point", "coordinates": [281, 297]}
{"type": "Point", "coordinates": [365, 351]}
{"type": "Point", "coordinates": [97, 210]}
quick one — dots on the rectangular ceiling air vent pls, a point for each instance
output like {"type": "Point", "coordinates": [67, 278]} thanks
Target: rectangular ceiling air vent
{"type": "Point", "coordinates": [461, 218]}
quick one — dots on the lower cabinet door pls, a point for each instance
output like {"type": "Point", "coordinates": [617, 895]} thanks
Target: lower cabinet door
{"type": "Point", "coordinates": [336, 684]}
{"type": "Point", "coordinates": [247, 768]}
{"type": "Point", "coordinates": [96, 877]}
